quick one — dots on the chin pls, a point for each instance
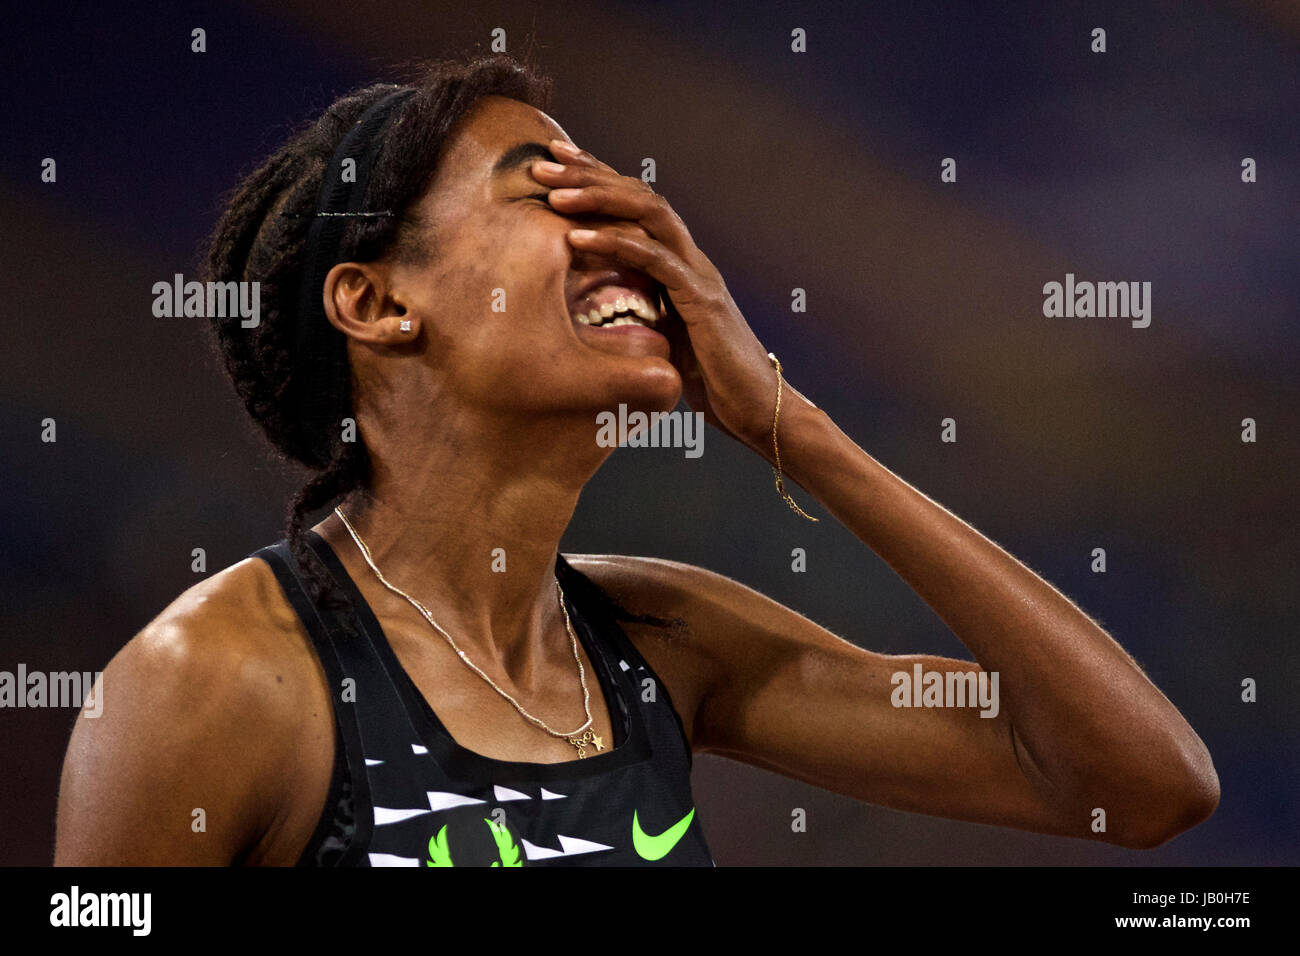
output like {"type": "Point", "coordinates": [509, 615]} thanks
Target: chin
{"type": "Point", "coordinates": [657, 387]}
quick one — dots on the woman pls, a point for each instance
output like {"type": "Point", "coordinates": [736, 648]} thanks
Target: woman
{"type": "Point", "coordinates": [451, 294]}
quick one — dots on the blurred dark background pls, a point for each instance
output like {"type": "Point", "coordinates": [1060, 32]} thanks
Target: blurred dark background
{"type": "Point", "coordinates": [816, 170]}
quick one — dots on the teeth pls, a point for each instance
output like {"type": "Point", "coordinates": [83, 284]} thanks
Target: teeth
{"type": "Point", "coordinates": [642, 309]}
{"type": "Point", "coordinates": [605, 315]}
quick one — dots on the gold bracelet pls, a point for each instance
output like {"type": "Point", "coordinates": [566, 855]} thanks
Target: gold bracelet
{"type": "Point", "coordinates": [776, 450]}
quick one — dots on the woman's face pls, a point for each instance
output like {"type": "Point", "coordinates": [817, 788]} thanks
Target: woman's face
{"type": "Point", "coordinates": [495, 302]}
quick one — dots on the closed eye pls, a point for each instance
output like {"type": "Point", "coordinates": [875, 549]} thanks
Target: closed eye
{"type": "Point", "coordinates": [542, 198]}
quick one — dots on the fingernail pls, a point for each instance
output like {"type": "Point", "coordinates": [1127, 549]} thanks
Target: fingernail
{"type": "Point", "coordinates": [564, 193]}
{"type": "Point", "coordinates": [564, 146]}
{"type": "Point", "coordinates": [548, 167]}
{"type": "Point", "coordinates": [583, 233]}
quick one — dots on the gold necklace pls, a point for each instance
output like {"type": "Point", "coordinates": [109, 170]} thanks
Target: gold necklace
{"type": "Point", "coordinates": [582, 738]}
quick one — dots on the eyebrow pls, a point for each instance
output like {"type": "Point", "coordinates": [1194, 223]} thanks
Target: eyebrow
{"type": "Point", "coordinates": [518, 155]}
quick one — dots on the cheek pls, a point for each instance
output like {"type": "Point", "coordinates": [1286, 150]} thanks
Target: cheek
{"type": "Point", "coordinates": [496, 298]}
{"type": "Point", "coordinates": [533, 266]}
{"type": "Point", "coordinates": [503, 310]}
{"type": "Point", "coordinates": [513, 267]}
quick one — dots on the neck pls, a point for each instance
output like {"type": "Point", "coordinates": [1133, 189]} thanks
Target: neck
{"type": "Point", "coordinates": [472, 532]}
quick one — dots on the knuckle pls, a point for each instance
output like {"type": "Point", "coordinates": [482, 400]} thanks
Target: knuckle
{"type": "Point", "coordinates": [636, 239]}
{"type": "Point", "coordinates": [713, 295]}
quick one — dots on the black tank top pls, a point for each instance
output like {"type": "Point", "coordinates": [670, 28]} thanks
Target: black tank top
{"type": "Point", "coordinates": [405, 793]}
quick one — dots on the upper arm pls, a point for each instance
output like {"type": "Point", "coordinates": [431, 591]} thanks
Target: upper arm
{"type": "Point", "coordinates": [779, 691]}
{"type": "Point", "coordinates": [193, 733]}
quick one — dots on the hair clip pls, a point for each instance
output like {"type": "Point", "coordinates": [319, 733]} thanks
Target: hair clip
{"type": "Point", "coordinates": [298, 215]}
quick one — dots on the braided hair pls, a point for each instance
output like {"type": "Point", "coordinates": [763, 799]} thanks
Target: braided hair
{"type": "Point", "coordinates": [261, 235]}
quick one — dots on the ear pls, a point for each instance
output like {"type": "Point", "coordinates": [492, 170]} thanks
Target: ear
{"type": "Point", "coordinates": [361, 302]}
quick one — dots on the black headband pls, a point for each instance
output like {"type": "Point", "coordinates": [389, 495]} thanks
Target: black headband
{"type": "Point", "coordinates": [338, 203]}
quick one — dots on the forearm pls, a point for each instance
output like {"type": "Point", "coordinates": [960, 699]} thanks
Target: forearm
{"type": "Point", "coordinates": [1092, 723]}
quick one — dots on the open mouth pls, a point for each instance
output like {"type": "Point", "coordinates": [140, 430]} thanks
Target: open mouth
{"type": "Point", "coordinates": [618, 307]}
{"type": "Point", "coordinates": [616, 298]}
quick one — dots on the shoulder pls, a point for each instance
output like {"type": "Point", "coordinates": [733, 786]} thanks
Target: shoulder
{"type": "Point", "coordinates": [711, 607]}
{"type": "Point", "coordinates": [659, 581]}
{"type": "Point", "coordinates": [726, 627]}
{"type": "Point", "coordinates": [704, 615]}
{"type": "Point", "coordinates": [231, 634]}
{"type": "Point", "coordinates": [203, 708]}
{"type": "Point", "coordinates": [740, 656]}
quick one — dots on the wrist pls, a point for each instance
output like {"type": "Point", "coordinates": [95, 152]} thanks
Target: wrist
{"type": "Point", "coordinates": [798, 426]}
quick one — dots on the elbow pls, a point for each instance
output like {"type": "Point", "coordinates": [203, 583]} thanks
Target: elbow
{"type": "Point", "coordinates": [1174, 809]}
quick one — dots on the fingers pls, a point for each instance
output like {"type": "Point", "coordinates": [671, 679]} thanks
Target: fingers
{"type": "Point", "coordinates": [586, 185]}
{"type": "Point", "coordinates": [642, 252]}
{"type": "Point", "coordinates": [660, 246]}
{"type": "Point", "coordinates": [630, 245]}
{"type": "Point", "coordinates": [568, 153]}
{"type": "Point", "coordinates": [639, 205]}
{"type": "Point", "coordinates": [560, 176]}
{"type": "Point", "coordinates": [582, 169]}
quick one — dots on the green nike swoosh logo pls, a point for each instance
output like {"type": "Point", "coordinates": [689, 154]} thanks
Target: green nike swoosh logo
{"type": "Point", "coordinates": [657, 847]}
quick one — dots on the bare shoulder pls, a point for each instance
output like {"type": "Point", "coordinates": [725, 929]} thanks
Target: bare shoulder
{"type": "Point", "coordinates": [200, 718]}
{"type": "Point", "coordinates": [691, 596]}
{"type": "Point", "coordinates": [703, 614]}
{"type": "Point", "coordinates": [737, 654]}
{"type": "Point", "coordinates": [227, 643]}
{"type": "Point", "coordinates": [713, 607]}
{"type": "Point", "coordinates": [651, 579]}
